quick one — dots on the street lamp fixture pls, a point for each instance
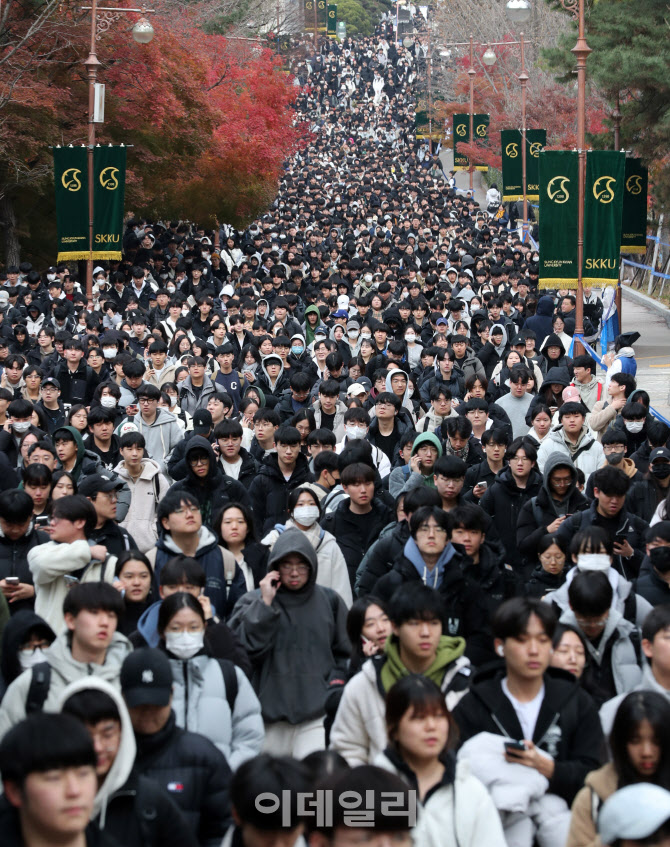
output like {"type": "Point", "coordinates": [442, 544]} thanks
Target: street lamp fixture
{"type": "Point", "coordinates": [102, 19]}
{"type": "Point", "coordinates": [489, 57]}
{"type": "Point", "coordinates": [143, 32]}
{"type": "Point", "coordinates": [518, 11]}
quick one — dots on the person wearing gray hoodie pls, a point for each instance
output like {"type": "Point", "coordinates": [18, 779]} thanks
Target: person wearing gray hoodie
{"type": "Point", "coordinates": [295, 633]}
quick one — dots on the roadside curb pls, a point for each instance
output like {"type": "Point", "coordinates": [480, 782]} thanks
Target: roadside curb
{"type": "Point", "coordinates": [647, 302]}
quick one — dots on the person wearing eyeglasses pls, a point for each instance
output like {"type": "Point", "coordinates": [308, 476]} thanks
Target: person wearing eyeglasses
{"type": "Point", "coordinates": [158, 426]}
{"type": "Point", "coordinates": [206, 481]}
{"type": "Point", "coordinates": [295, 634]}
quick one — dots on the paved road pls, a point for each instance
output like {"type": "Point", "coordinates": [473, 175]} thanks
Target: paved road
{"type": "Point", "coordinates": [652, 353]}
{"type": "Point", "coordinates": [463, 177]}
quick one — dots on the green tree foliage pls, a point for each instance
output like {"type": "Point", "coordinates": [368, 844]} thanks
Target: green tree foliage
{"type": "Point", "coordinates": [361, 16]}
{"type": "Point", "coordinates": [631, 57]}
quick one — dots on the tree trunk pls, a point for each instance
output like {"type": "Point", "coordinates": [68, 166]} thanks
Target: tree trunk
{"type": "Point", "coordinates": [8, 223]}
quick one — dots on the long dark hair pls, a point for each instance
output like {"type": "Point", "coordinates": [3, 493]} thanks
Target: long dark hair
{"type": "Point", "coordinates": [637, 707]}
{"type": "Point", "coordinates": [355, 623]}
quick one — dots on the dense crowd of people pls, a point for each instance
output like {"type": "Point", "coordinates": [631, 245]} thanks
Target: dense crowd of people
{"type": "Point", "coordinates": [320, 533]}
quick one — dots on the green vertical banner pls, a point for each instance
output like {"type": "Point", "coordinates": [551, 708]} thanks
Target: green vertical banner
{"type": "Point", "coordinates": [321, 14]}
{"type": "Point", "coordinates": [332, 19]}
{"type": "Point", "coordinates": [309, 15]}
{"type": "Point", "coordinates": [634, 217]}
{"type": "Point", "coordinates": [460, 133]}
{"type": "Point", "coordinates": [512, 176]}
{"type": "Point", "coordinates": [559, 201]}
{"type": "Point", "coordinates": [603, 206]}
{"type": "Point", "coordinates": [536, 141]}
{"type": "Point", "coordinates": [510, 145]}
{"type": "Point", "coordinates": [480, 128]}
{"type": "Point", "coordinates": [71, 183]}
{"type": "Point", "coordinates": [109, 174]}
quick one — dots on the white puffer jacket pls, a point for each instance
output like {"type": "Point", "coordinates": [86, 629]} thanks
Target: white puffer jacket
{"type": "Point", "coordinates": [460, 813]}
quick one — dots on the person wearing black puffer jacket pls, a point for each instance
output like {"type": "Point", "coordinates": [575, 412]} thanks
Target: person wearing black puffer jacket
{"type": "Point", "coordinates": [379, 559]}
{"type": "Point", "coordinates": [17, 537]}
{"type": "Point", "coordinates": [562, 733]}
{"type": "Point", "coordinates": [429, 557]}
{"type": "Point", "coordinates": [543, 514]}
{"type": "Point", "coordinates": [279, 474]}
{"type": "Point", "coordinates": [206, 481]}
{"type": "Point", "coordinates": [513, 487]}
{"type": "Point", "coordinates": [185, 764]}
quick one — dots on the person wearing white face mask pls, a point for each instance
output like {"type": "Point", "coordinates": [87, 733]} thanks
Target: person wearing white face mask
{"type": "Point", "coordinates": [356, 426]}
{"type": "Point", "coordinates": [413, 348]}
{"type": "Point", "coordinates": [592, 549]}
{"type": "Point", "coordinates": [305, 513]}
{"type": "Point", "coordinates": [25, 639]}
{"type": "Point", "coordinates": [204, 697]}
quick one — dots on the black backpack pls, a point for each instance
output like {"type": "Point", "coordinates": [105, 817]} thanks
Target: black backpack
{"type": "Point", "coordinates": [41, 680]}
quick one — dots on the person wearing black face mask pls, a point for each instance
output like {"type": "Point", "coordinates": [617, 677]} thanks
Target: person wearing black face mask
{"type": "Point", "coordinates": [654, 583]}
{"type": "Point", "coordinates": [646, 496]}
{"type": "Point", "coordinates": [614, 447]}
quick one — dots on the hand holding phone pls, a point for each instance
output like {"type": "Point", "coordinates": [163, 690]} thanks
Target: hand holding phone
{"type": "Point", "coordinates": [515, 747]}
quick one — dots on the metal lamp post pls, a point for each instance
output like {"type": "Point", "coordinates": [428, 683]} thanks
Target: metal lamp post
{"type": "Point", "coordinates": [102, 18]}
{"type": "Point", "coordinates": [581, 51]}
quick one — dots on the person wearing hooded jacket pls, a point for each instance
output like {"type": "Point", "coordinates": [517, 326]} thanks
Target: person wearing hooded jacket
{"type": "Point", "coordinates": [131, 808]}
{"type": "Point", "coordinates": [546, 395]}
{"type": "Point", "coordinates": [332, 572]}
{"type": "Point", "coordinates": [86, 462]}
{"type": "Point", "coordinates": [433, 560]}
{"type": "Point", "coordinates": [513, 487]}
{"type": "Point", "coordinates": [574, 439]}
{"type": "Point", "coordinates": [24, 630]}
{"type": "Point", "coordinates": [545, 512]}
{"type": "Point", "coordinates": [272, 386]}
{"type": "Point", "coordinates": [540, 322]}
{"type": "Point", "coordinates": [161, 433]}
{"type": "Point", "coordinates": [493, 351]}
{"type": "Point", "coordinates": [206, 481]}
{"type": "Point", "coordinates": [295, 634]}
{"type": "Point", "coordinates": [359, 728]}
{"type": "Point", "coordinates": [75, 653]}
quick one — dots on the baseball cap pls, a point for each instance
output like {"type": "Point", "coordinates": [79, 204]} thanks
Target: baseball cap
{"type": "Point", "coordinates": [651, 805]}
{"type": "Point", "coordinates": [570, 394]}
{"type": "Point", "coordinates": [441, 322]}
{"type": "Point", "coordinates": [98, 482]}
{"type": "Point", "coordinates": [341, 313]}
{"type": "Point", "coordinates": [125, 428]}
{"type": "Point", "coordinates": [518, 341]}
{"type": "Point", "coordinates": [50, 380]}
{"type": "Point", "coordinates": [355, 390]}
{"type": "Point", "coordinates": [202, 421]}
{"type": "Point", "coordinates": [146, 678]}
{"type": "Point", "coordinates": [365, 382]}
